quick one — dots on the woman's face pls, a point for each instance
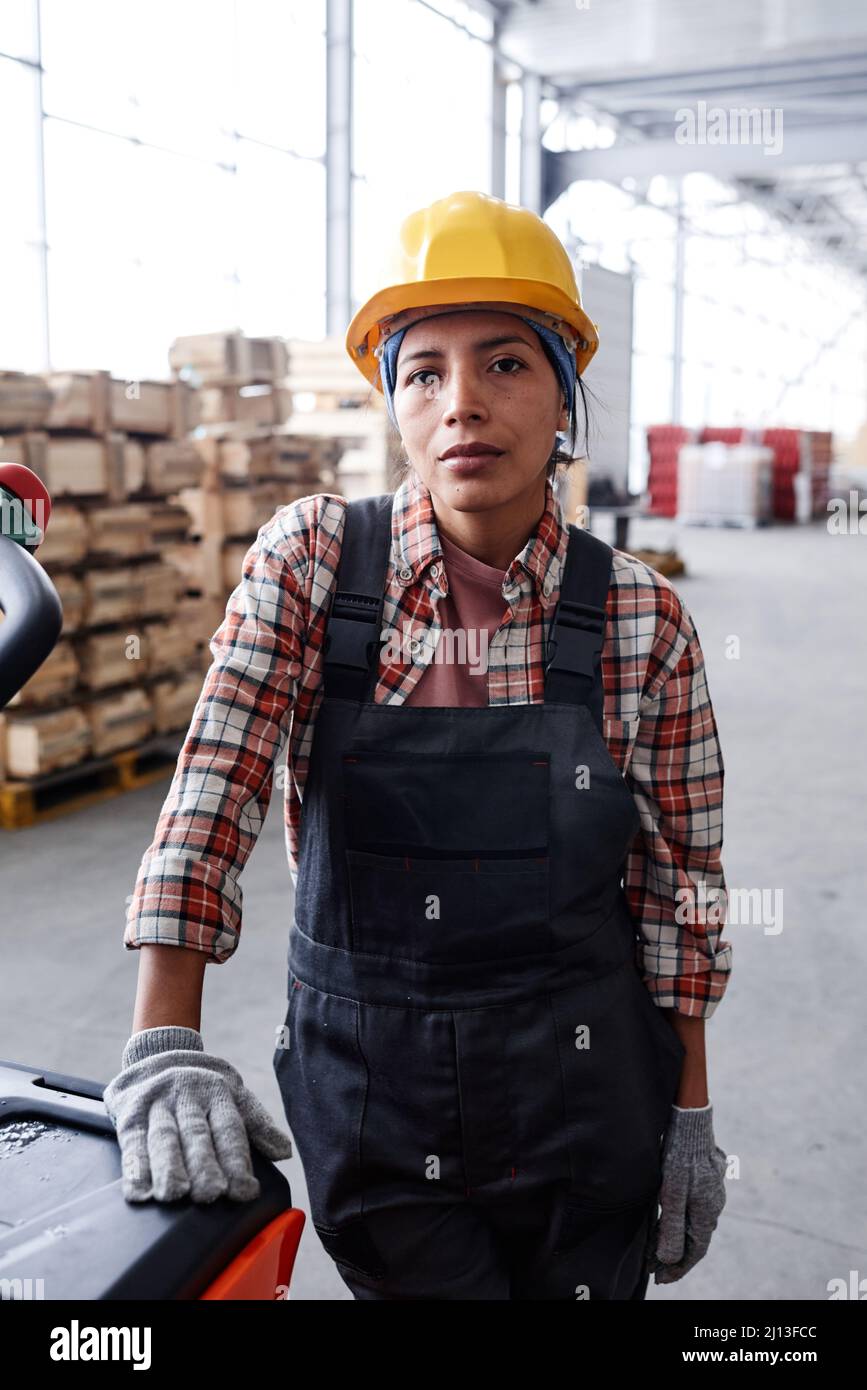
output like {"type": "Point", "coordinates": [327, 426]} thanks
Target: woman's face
{"type": "Point", "coordinates": [454, 385]}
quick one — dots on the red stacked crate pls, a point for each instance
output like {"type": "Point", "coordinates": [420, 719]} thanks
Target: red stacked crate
{"type": "Point", "coordinates": [816, 456]}
{"type": "Point", "coordinates": [787, 460]}
{"type": "Point", "coordinates": [795, 451]}
{"type": "Point", "coordinates": [663, 445]}
{"type": "Point", "coordinates": [734, 435]}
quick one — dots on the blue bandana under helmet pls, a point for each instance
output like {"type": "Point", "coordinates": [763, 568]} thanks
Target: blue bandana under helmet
{"type": "Point", "coordinates": [558, 354]}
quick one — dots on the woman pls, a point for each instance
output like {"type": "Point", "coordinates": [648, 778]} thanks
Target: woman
{"type": "Point", "coordinates": [494, 849]}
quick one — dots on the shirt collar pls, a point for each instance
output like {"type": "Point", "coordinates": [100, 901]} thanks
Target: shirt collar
{"type": "Point", "coordinates": [416, 543]}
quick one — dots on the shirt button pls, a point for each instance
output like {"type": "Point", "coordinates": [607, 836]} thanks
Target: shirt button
{"type": "Point", "coordinates": [415, 645]}
{"type": "Point", "coordinates": [435, 571]}
{"type": "Point", "coordinates": [405, 572]}
{"type": "Point", "coordinates": [547, 586]}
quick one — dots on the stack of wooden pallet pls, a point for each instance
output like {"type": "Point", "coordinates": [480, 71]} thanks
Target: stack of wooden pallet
{"type": "Point", "coordinates": [239, 379]}
{"type": "Point", "coordinates": [253, 463]}
{"type": "Point", "coordinates": [246, 479]}
{"type": "Point", "coordinates": [114, 455]}
{"type": "Point", "coordinates": [331, 398]}
{"type": "Point", "coordinates": [159, 489]}
{"type": "Point", "coordinates": [25, 401]}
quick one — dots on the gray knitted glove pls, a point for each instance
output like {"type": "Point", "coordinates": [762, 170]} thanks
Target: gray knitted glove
{"type": "Point", "coordinates": [184, 1121]}
{"type": "Point", "coordinates": [692, 1195]}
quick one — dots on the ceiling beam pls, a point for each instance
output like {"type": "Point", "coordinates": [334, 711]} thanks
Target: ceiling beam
{"type": "Point", "coordinates": [803, 68]}
{"type": "Point", "coordinates": [841, 143]}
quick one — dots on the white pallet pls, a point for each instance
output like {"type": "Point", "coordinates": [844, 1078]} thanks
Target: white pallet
{"type": "Point", "coordinates": [724, 484]}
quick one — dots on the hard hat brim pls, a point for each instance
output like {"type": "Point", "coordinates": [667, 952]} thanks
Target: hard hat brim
{"type": "Point", "coordinates": [364, 333]}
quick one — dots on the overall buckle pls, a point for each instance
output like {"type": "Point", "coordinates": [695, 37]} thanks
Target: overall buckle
{"type": "Point", "coordinates": [350, 634]}
{"type": "Point", "coordinates": [579, 634]}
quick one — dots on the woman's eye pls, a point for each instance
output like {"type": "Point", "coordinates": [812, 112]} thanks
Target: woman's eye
{"type": "Point", "coordinates": [428, 371]}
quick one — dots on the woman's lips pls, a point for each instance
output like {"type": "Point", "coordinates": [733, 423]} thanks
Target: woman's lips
{"type": "Point", "coordinates": [470, 463]}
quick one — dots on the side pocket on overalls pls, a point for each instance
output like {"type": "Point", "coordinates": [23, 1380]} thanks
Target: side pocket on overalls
{"type": "Point", "coordinates": [284, 1033]}
{"type": "Point", "coordinates": [323, 1081]}
{"type": "Point", "coordinates": [620, 1074]}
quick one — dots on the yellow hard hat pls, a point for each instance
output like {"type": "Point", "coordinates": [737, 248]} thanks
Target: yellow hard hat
{"type": "Point", "coordinates": [472, 250]}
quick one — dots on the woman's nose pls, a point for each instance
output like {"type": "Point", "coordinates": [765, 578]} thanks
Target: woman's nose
{"type": "Point", "coordinates": [464, 397]}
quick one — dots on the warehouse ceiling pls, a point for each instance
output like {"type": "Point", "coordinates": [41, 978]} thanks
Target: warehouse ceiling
{"type": "Point", "coordinates": [642, 62]}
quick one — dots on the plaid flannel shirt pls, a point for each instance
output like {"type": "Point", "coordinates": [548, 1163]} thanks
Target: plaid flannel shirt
{"type": "Point", "coordinates": [264, 686]}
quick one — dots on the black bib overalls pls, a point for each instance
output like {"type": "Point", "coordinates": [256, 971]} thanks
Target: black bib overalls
{"type": "Point", "coordinates": [476, 1078]}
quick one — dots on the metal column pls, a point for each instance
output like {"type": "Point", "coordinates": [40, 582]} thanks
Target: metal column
{"type": "Point", "coordinates": [499, 85]}
{"type": "Point", "coordinates": [531, 143]}
{"type": "Point", "coordinates": [677, 346]}
{"type": "Point", "coordinates": [338, 166]}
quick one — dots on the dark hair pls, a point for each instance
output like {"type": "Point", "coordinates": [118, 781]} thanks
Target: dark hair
{"type": "Point", "coordinates": [562, 455]}
{"type": "Point", "coordinates": [565, 453]}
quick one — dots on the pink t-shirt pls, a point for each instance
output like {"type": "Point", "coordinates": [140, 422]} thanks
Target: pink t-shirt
{"type": "Point", "coordinates": [469, 616]}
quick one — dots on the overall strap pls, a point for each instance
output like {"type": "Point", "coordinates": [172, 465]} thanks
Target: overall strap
{"type": "Point", "coordinates": [353, 631]}
{"type": "Point", "coordinates": [573, 669]}
{"type": "Point", "coordinates": [352, 634]}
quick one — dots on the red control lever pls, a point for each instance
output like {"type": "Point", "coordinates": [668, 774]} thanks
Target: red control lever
{"type": "Point", "coordinates": [31, 605]}
{"type": "Point", "coordinates": [20, 487]}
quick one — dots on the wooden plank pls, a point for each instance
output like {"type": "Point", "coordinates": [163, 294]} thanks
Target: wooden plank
{"type": "Point", "coordinates": [172, 465]}
{"type": "Point", "coordinates": [25, 401]}
{"type": "Point", "coordinates": [99, 403]}
{"type": "Point", "coordinates": [38, 743]}
{"type": "Point", "coordinates": [120, 720]}
{"type": "Point", "coordinates": [66, 538]}
{"type": "Point", "coordinates": [340, 424]}
{"type": "Point", "coordinates": [228, 358]}
{"type": "Point", "coordinates": [57, 676]}
{"type": "Point", "coordinates": [116, 657]}
{"type": "Point", "coordinates": [50, 796]}
{"type": "Point", "coordinates": [251, 405]}
{"type": "Point", "coordinates": [70, 591]}
{"type": "Point", "coordinates": [188, 559]}
{"type": "Point", "coordinates": [174, 700]}
{"type": "Point", "coordinates": [232, 557]}
{"type": "Point", "coordinates": [167, 647]}
{"type": "Point", "coordinates": [295, 458]}
{"type": "Point", "coordinates": [85, 465]}
{"type": "Point", "coordinates": [119, 531]}
{"type": "Point", "coordinates": [159, 588]}
{"type": "Point", "coordinates": [309, 397]}
{"type": "Point", "coordinates": [168, 521]}
{"type": "Point", "coordinates": [118, 593]}
{"type": "Point", "coordinates": [110, 595]}
{"type": "Point", "coordinates": [201, 616]}
{"type": "Point", "coordinates": [81, 401]}
{"type": "Point", "coordinates": [169, 408]}
{"type": "Point", "coordinates": [246, 509]}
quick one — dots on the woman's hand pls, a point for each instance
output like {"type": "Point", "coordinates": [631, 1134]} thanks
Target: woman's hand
{"type": "Point", "coordinates": [692, 1195]}
{"type": "Point", "coordinates": [185, 1121]}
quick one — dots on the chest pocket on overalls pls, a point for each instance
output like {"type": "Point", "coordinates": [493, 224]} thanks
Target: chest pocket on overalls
{"type": "Point", "coordinates": [447, 856]}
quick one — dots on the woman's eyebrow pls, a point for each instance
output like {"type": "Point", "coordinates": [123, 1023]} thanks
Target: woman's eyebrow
{"type": "Point", "coordinates": [485, 343]}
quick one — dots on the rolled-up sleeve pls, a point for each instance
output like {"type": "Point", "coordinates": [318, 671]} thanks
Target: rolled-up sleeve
{"type": "Point", "coordinates": [187, 891]}
{"type": "Point", "coordinates": [674, 878]}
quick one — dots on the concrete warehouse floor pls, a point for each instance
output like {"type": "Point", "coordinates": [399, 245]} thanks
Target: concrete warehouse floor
{"type": "Point", "coordinates": [785, 1046]}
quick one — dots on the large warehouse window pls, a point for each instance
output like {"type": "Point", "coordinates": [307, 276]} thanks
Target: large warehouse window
{"type": "Point", "coordinates": [22, 321]}
{"type": "Point", "coordinates": [168, 175]}
{"type": "Point", "coordinates": [772, 333]}
{"type": "Point", "coordinates": [184, 183]}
